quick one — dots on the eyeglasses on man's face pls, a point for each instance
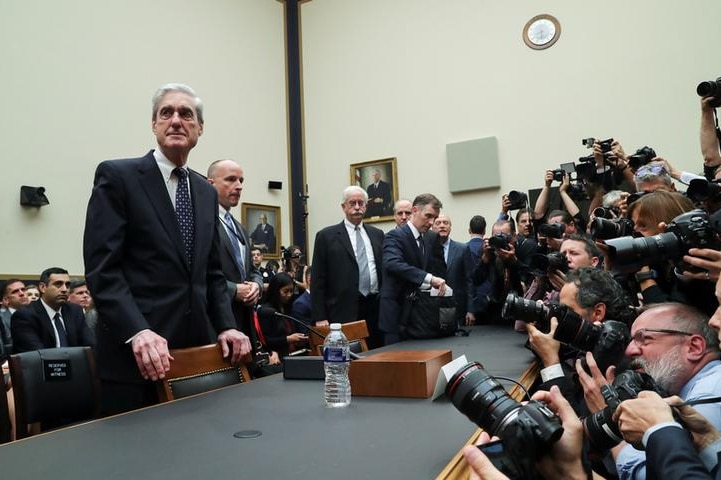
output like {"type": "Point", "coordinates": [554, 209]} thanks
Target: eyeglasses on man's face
{"type": "Point", "coordinates": [641, 337]}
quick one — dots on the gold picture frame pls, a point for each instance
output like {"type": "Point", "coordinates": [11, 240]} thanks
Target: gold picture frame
{"type": "Point", "coordinates": [382, 191]}
{"type": "Point", "coordinates": [264, 234]}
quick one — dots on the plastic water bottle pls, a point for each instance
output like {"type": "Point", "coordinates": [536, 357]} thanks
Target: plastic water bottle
{"type": "Point", "coordinates": [336, 359]}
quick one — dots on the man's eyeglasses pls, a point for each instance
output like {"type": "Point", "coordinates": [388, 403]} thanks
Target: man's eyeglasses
{"type": "Point", "coordinates": [641, 339]}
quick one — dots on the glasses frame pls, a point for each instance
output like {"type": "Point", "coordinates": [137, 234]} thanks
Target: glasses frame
{"type": "Point", "coordinates": [642, 341]}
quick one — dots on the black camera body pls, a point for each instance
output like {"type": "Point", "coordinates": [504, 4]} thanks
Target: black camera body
{"type": "Point", "coordinates": [526, 431]}
{"type": "Point", "coordinates": [689, 230]}
{"type": "Point", "coordinates": [541, 265]}
{"type": "Point", "coordinates": [518, 200]}
{"type": "Point", "coordinates": [552, 230]}
{"type": "Point", "coordinates": [712, 88]}
{"type": "Point", "coordinates": [642, 157]}
{"type": "Point", "coordinates": [558, 174]}
{"type": "Point", "coordinates": [604, 212]}
{"type": "Point", "coordinates": [499, 241]}
{"type": "Point", "coordinates": [600, 429]}
{"type": "Point", "coordinates": [604, 229]}
{"type": "Point", "coordinates": [607, 341]}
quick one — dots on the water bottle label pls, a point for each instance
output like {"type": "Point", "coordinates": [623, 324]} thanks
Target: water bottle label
{"type": "Point", "coordinates": [335, 354]}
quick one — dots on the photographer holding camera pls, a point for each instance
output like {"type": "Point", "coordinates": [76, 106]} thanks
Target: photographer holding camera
{"type": "Point", "coordinates": [674, 344]}
{"type": "Point", "coordinates": [571, 217]}
{"type": "Point", "coordinates": [648, 423]}
{"type": "Point", "coordinates": [499, 267]}
{"type": "Point", "coordinates": [710, 138]}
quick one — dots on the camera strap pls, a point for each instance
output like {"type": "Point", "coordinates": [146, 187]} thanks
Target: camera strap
{"type": "Point", "coordinates": [700, 401]}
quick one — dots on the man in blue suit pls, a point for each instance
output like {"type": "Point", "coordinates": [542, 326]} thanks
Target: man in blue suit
{"type": "Point", "coordinates": [408, 264]}
{"type": "Point", "coordinates": [151, 252]}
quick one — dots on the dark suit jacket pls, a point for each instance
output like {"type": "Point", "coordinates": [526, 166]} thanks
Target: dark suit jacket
{"type": "Point", "coordinates": [135, 265]}
{"type": "Point", "coordinates": [670, 454]}
{"type": "Point", "coordinates": [382, 191]}
{"type": "Point", "coordinates": [233, 275]}
{"type": "Point", "coordinates": [335, 273]}
{"type": "Point", "coordinates": [302, 307]}
{"type": "Point", "coordinates": [404, 269]}
{"type": "Point", "coordinates": [460, 276]}
{"type": "Point", "coordinates": [266, 237]}
{"type": "Point", "coordinates": [32, 330]}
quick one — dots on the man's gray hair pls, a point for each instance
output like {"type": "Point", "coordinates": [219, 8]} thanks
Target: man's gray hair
{"type": "Point", "coordinates": [348, 191]}
{"type": "Point", "coordinates": [688, 319]}
{"type": "Point", "coordinates": [177, 87]}
{"type": "Point", "coordinates": [652, 172]}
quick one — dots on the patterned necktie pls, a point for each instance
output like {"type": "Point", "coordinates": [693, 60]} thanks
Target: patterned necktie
{"type": "Point", "coordinates": [235, 243]}
{"type": "Point", "coordinates": [184, 212]}
{"type": "Point", "coordinates": [421, 246]}
{"type": "Point", "coordinates": [62, 334]}
{"type": "Point", "coordinates": [364, 274]}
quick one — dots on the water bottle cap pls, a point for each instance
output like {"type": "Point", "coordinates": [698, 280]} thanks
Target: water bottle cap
{"type": "Point", "coordinates": [335, 326]}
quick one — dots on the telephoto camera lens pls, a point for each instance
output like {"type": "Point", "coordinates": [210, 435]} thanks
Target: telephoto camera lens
{"type": "Point", "coordinates": [629, 254]}
{"type": "Point", "coordinates": [605, 229]}
{"type": "Point", "coordinates": [526, 431]}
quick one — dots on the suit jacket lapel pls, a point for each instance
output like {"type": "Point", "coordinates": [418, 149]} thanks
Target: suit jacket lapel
{"type": "Point", "coordinates": [70, 330]}
{"type": "Point", "coordinates": [152, 182]}
{"type": "Point", "coordinates": [203, 201]}
{"type": "Point", "coordinates": [413, 243]}
{"type": "Point", "coordinates": [343, 238]}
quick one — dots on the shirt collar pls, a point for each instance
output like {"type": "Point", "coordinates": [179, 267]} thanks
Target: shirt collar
{"type": "Point", "coordinates": [414, 230]}
{"type": "Point", "coordinates": [349, 226]}
{"type": "Point", "coordinates": [166, 166]}
{"type": "Point", "coordinates": [49, 310]}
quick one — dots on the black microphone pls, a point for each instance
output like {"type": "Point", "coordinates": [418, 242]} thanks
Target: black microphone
{"type": "Point", "coordinates": [268, 311]}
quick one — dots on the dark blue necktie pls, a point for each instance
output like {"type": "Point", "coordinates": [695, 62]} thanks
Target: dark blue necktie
{"type": "Point", "coordinates": [184, 212]}
{"type": "Point", "coordinates": [62, 334]}
{"type": "Point", "coordinates": [234, 238]}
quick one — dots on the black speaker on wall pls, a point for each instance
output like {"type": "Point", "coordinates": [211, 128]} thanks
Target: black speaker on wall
{"type": "Point", "coordinates": [273, 185]}
{"type": "Point", "coordinates": [33, 196]}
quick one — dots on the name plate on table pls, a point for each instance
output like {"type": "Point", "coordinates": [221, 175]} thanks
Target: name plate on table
{"type": "Point", "coordinates": [400, 373]}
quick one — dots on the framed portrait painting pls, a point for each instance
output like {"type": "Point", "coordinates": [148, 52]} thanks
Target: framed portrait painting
{"type": "Point", "coordinates": [262, 223]}
{"type": "Point", "coordinates": [380, 179]}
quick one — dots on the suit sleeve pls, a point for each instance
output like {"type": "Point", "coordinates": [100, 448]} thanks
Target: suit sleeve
{"type": "Point", "coordinates": [394, 262]}
{"type": "Point", "coordinates": [670, 454]}
{"type": "Point", "coordinates": [103, 248]}
{"type": "Point", "coordinates": [24, 332]}
{"type": "Point", "coordinates": [320, 278]}
{"type": "Point", "coordinates": [221, 313]}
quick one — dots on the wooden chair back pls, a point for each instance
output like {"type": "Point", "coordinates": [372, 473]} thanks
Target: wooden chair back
{"type": "Point", "coordinates": [355, 332]}
{"type": "Point", "coordinates": [200, 369]}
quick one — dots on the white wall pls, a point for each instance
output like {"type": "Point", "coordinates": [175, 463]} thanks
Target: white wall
{"type": "Point", "coordinates": [77, 79]}
{"type": "Point", "coordinates": [405, 77]}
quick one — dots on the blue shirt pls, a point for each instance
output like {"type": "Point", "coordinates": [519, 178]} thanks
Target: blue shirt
{"type": "Point", "coordinates": [631, 463]}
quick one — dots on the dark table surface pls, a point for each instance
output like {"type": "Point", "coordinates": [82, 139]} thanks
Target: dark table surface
{"type": "Point", "coordinates": [373, 438]}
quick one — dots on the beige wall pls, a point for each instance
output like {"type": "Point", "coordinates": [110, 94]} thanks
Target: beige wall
{"type": "Point", "coordinates": [382, 78]}
{"type": "Point", "coordinates": [77, 79]}
{"type": "Point", "coordinates": [405, 77]}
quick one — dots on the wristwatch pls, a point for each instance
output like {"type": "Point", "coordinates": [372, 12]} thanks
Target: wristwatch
{"type": "Point", "coordinates": [650, 275]}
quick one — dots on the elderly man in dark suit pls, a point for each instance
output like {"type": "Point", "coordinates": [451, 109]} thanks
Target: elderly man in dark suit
{"type": "Point", "coordinates": [347, 268]}
{"type": "Point", "coordinates": [459, 267]}
{"type": "Point", "coordinates": [151, 251]}
{"type": "Point", "coordinates": [409, 264]}
{"type": "Point", "coordinates": [51, 322]}
{"type": "Point", "coordinates": [263, 236]}
{"type": "Point", "coordinates": [380, 199]}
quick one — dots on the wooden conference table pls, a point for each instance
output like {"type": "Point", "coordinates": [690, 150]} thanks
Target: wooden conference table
{"type": "Point", "coordinates": [374, 438]}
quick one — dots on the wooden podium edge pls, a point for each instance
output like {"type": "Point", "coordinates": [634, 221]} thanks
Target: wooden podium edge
{"type": "Point", "coordinates": [457, 468]}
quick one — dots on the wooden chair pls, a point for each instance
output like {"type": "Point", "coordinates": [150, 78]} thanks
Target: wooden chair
{"type": "Point", "coordinates": [355, 332]}
{"type": "Point", "coordinates": [200, 369]}
{"type": "Point", "coordinates": [54, 387]}
{"type": "Point", "coordinates": [5, 425]}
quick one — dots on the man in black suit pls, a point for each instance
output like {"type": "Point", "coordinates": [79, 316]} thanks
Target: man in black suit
{"type": "Point", "coordinates": [243, 279]}
{"type": "Point", "coordinates": [51, 322]}
{"type": "Point", "coordinates": [408, 264]}
{"type": "Point", "coordinates": [347, 268]}
{"type": "Point", "coordinates": [459, 268]}
{"type": "Point", "coordinates": [263, 236]}
{"type": "Point", "coordinates": [151, 251]}
{"type": "Point", "coordinates": [380, 200]}
{"type": "Point", "coordinates": [13, 299]}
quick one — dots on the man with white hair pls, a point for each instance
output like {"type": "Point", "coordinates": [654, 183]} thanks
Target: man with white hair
{"type": "Point", "coordinates": [347, 268]}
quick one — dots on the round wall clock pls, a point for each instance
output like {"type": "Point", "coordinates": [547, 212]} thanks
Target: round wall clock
{"type": "Point", "coordinates": [541, 31]}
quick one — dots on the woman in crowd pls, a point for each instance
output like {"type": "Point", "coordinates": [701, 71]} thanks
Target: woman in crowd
{"type": "Point", "coordinates": [293, 266]}
{"type": "Point", "coordinates": [281, 334]}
